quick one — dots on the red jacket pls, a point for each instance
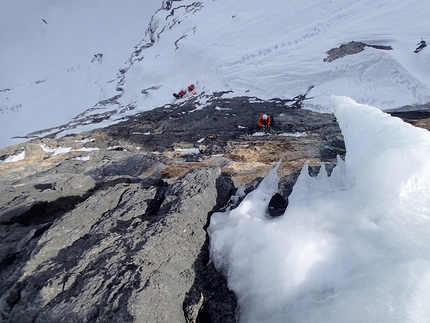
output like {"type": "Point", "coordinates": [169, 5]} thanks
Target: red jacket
{"type": "Point", "coordinates": [261, 122]}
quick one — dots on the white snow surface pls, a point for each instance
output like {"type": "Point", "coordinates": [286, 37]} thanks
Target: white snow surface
{"type": "Point", "coordinates": [14, 158]}
{"type": "Point", "coordinates": [352, 247]}
{"type": "Point", "coordinates": [263, 49]}
{"type": "Point", "coordinates": [51, 72]}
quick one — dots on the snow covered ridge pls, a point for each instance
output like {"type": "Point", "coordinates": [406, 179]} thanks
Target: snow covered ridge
{"type": "Point", "coordinates": [76, 51]}
{"type": "Point", "coordinates": [275, 50]}
{"type": "Point", "coordinates": [365, 230]}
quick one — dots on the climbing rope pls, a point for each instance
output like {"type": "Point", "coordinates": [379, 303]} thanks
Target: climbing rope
{"type": "Point", "coordinates": [317, 143]}
{"type": "Point", "coordinates": [334, 148]}
{"type": "Point", "coordinates": [270, 131]}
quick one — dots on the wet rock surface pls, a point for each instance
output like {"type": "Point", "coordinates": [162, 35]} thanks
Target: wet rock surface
{"type": "Point", "coordinates": [113, 230]}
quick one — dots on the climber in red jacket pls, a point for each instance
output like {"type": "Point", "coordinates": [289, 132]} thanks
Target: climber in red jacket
{"type": "Point", "coordinates": [181, 93]}
{"type": "Point", "coordinates": [265, 121]}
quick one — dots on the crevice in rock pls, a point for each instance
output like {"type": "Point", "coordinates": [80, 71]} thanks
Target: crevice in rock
{"type": "Point", "coordinates": [6, 262]}
{"type": "Point", "coordinates": [209, 300]}
{"type": "Point", "coordinates": [155, 204]}
{"type": "Point", "coordinates": [28, 243]}
{"type": "Point", "coordinates": [45, 212]}
{"type": "Point", "coordinates": [103, 185]}
{"type": "Point", "coordinates": [407, 116]}
{"type": "Point", "coordinates": [14, 295]}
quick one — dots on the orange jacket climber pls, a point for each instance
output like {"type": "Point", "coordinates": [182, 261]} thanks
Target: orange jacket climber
{"type": "Point", "coordinates": [264, 120]}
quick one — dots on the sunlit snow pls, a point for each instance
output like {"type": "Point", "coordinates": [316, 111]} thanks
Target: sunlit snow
{"type": "Point", "coordinates": [352, 247]}
{"type": "Point", "coordinates": [59, 58]}
{"type": "Point", "coordinates": [14, 158]}
{"type": "Point", "coordinates": [52, 70]}
{"type": "Point", "coordinates": [276, 49]}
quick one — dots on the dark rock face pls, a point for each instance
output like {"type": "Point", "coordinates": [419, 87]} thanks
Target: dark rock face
{"type": "Point", "coordinates": [220, 121]}
{"type": "Point", "coordinates": [117, 248]}
{"type": "Point", "coordinates": [421, 45]}
{"type": "Point", "coordinates": [351, 48]}
{"type": "Point", "coordinates": [277, 205]}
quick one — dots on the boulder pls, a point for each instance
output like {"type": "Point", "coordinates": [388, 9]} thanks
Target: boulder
{"type": "Point", "coordinates": [128, 252]}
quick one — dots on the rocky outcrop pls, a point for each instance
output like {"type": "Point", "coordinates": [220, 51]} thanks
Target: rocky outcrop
{"type": "Point", "coordinates": [109, 248]}
{"type": "Point", "coordinates": [351, 48]}
{"type": "Point", "coordinates": [109, 225]}
{"type": "Point", "coordinates": [420, 46]}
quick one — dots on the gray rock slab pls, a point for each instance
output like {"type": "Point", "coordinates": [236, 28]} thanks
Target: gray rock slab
{"type": "Point", "coordinates": [128, 253]}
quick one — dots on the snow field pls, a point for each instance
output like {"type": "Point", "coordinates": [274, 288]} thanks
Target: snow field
{"type": "Point", "coordinates": [49, 70]}
{"type": "Point", "coordinates": [267, 50]}
{"type": "Point", "coordinates": [280, 53]}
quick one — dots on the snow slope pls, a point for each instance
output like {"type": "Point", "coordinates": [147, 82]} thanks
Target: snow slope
{"type": "Point", "coordinates": [50, 65]}
{"type": "Point", "coordinates": [352, 247]}
{"type": "Point", "coordinates": [270, 49]}
{"type": "Point", "coordinates": [276, 49]}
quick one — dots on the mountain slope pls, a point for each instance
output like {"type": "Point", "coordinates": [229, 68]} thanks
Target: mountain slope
{"type": "Point", "coordinates": [110, 224]}
{"type": "Point", "coordinates": [275, 49]}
